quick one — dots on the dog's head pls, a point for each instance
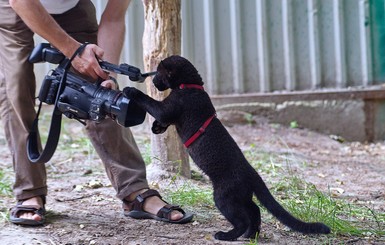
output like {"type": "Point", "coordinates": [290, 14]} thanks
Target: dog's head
{"type": "Point", "coordinates": [174, 71]}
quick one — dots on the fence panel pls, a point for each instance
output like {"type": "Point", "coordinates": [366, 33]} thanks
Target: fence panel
{"type": "Point", "coordinates": [251, 46]}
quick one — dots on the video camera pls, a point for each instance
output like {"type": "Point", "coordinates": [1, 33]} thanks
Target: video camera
{"type": "Point", "coordinates": [82, 99]}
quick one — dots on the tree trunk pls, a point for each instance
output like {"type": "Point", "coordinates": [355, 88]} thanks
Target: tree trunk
{"type": "Point", "coordinates": [162, 38]}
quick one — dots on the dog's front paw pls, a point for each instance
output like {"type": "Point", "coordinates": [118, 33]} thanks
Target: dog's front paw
{"type": "Point", "coordinates": [130, 92]}
{"type": "Point", "coordinates": [158, 128]}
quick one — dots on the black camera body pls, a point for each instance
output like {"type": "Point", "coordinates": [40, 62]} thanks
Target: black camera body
{"type": "Point", "coordinates": [81, 99]}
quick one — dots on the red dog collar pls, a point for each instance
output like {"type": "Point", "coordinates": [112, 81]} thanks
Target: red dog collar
{"type": "Point", "coordinates": [182, 86]}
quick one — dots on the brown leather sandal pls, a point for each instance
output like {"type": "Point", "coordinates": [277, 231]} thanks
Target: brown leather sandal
{"type": "Point", "coordinates": [14, 213]}
{"type": "Point", "coordinates": [135, 210]}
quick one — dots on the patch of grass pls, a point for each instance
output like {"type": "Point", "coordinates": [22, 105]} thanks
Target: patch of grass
{"type": "Point", "coordinates": [5, 191]}
{"type": "Point", "coordinates": [5, 183]}
{"type": "Point", "coordinates": [304, 201]}
{"type": "Point", "coordinates": [146, 151]}
{"type": "Point", "coordinates": [192, 196]}
{"type": "Point", "coordinates": [307, 203]}
{"type": "Point", "coordinates": [264, 163]}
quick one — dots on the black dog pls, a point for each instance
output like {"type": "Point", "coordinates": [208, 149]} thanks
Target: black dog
{"type": "Point", "coordinates": [212, 148]}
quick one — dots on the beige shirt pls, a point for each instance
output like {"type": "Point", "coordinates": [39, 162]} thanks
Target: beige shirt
{"type": "Point", "coordinates": [58, 6]}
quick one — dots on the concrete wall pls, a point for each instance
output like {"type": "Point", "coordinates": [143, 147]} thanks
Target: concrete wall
{"type": "Point", "coordinates": [353, 115]}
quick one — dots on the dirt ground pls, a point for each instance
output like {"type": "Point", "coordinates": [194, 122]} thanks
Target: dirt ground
{"type": "Point", "coordinates": [82, 208]}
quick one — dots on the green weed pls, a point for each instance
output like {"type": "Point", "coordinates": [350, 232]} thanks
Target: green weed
{"type": "Point", "coordinates": [146, 151]}
{"type": "Point", "coordinates": [252, 242]}
{"type": "Point", "coordinates": [5, 183]}
{"type": "Point", "coordinates": [5, 191]}
{"type": "Point", "coordinates": [293, 124]}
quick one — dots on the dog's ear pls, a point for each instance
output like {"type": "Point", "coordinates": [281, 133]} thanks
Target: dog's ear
{"type": "Point", "coordinates": [180, 71]}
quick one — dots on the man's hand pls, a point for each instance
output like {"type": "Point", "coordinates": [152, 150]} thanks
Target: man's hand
{"type": "Point", "coordinates": [87, 62]}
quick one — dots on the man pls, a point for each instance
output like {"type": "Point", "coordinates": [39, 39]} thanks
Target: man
{"type": "Point", "coordinates": [66, 24]}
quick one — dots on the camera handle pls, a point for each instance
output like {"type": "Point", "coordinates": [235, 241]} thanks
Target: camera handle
{"type": "Point", "coordinates": [33, 152]}
{"type": "Point", "coordinates": [131, 71]}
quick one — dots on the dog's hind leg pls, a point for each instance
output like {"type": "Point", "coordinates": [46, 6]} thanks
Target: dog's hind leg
{"type": "Point", "coordinates": [236, 214]}
{"type": "Point", "coordinates": [255, 220]}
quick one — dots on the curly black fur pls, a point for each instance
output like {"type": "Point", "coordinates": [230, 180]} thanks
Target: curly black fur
{"type": "Point", "coordinates": [215, 152]}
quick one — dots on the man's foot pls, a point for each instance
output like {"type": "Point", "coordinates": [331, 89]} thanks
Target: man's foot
{"type": "Point", "coordinates": [37, 201]}
{"type": "Point", "coordinates": [148, 204]}
{"type": "Point", "coordinates": [29, 212]}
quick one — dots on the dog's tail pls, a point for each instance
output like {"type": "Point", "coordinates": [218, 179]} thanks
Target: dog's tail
{"type": "Point", "coordinates": [264, 196]}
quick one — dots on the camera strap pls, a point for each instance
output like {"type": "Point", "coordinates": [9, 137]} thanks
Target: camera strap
{"type": "Point", "coordinates": [33, 140]}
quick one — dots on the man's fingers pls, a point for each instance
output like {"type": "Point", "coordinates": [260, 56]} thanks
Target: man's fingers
{"type": "Point", "coordinates": [100, 72]}
{"type": "Point", "coordinates": [98, 52]}
{"type": "Point", "coordinates": [87, 62]}
{"type": "Point", "coordinates": [109, 84]}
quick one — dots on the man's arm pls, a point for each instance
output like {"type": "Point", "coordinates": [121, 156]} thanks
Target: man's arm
{"type": "Point", "coordinates": [40, 21]}
{"type": "Point", "coordinates": [112, 29]}
{"type": "Point", "coordinates": [111, 33]}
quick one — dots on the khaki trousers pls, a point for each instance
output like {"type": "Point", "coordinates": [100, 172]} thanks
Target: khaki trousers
{"type": "Point", "coordinates": [114, 144]}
